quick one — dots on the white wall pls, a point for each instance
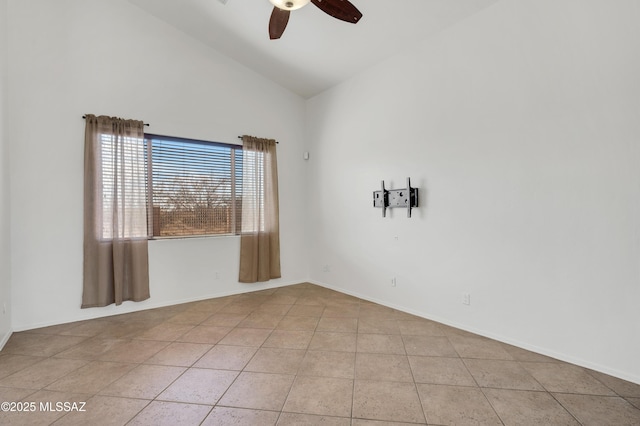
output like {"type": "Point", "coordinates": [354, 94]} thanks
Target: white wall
{"type": "Point", "coordinates": [5, 258]}
{"type": "Point", "coordinates": [520, 126]}
{"type": "Point", "coordinates": [71, 57]}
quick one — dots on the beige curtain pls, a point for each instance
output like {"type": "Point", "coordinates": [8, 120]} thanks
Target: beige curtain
{"type": "Point", "coordinates": [115, 212]}
{"type": "Point", "coordinates": [260, 238]}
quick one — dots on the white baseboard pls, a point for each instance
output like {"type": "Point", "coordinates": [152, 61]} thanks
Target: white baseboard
{"type": "Point", "coordinates": [5, 339]}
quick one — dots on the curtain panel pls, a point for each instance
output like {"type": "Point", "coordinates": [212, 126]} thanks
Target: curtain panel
{"type": "Point", "coordinates": [116, 266]}
{"type": "Point", "coordinates": [260, 237]}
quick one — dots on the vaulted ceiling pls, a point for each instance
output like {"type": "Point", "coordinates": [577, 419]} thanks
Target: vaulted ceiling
{"type": "Point", "coordinates": [316, 51]}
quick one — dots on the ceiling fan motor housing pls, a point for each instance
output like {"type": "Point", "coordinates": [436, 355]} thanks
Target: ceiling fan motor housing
{"type": "Point", "coordinates": [289, 4]}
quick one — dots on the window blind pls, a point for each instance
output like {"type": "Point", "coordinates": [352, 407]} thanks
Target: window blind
{"type": "Point", "coordinates": [196, 187]}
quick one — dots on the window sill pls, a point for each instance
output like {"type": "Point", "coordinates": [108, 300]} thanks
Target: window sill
{"type": "Point", "coordinates": [190, 237]}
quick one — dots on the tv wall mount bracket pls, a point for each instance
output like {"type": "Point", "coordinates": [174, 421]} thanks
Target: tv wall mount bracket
{"type": "Point", "coordinates": [389, 198]}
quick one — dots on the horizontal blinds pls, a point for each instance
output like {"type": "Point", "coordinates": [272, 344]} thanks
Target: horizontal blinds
{"type": "Point", "coordinates": [194, 189]}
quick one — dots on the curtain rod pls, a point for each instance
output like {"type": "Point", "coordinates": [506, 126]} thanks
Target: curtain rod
{"type": "Point", "coordinates": [240, 137]}
{"type": "Point", "coordinates": [85, 117]}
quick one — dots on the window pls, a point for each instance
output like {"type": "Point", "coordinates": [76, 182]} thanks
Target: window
{"type": "Point", "coordinates": [123, 197]}
{"type": "Point", "coordinates": [194, 187]}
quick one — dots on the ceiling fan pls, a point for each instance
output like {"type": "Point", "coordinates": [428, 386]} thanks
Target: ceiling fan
{"type": "Point", "coordinates": [339, 9]}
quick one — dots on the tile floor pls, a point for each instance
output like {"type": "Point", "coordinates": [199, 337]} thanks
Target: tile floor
{"type": "Point", "coordinates": [299, 355]}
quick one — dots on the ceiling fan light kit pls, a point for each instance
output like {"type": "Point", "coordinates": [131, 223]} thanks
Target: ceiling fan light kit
{"type": "Point", "coordinates": [289, 4]}
{"type": "Point", "coordinates": [339, 9]}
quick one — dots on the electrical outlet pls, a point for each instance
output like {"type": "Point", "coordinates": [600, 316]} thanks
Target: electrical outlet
{"type": "Point", "coordinates": [466, 299]}
{"type": "Point", "coordinates": [4, 309]}
{"type": "Point", "coordinates": [326, 268]}
{"type": "Point", "coordinates": [393, 282]}
{"type": "Point", "coordinates": [217, 275]}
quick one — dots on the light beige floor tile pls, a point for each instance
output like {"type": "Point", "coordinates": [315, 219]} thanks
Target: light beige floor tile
{"type": "Point", "coordinates": [517, 407]}
{"type": "Point", "coordinates": [160, 413]}
{"type": "Point", "coordinates": [209, 305]}
{"type": "Point", "coordinates": [344, 325]}
{"type": "Point", "coordinates": [14, 394]}
{"type": "Point", "coordinates": [306, 311]}
{"type": "Point", "coordinates": [365, 422]}
{"type": "Point", "coordinates": [281, 299]}
{"type": "Point", "coordinates": [328, 364]}
{"type": "Point", "coordinates": [246, 337]}
{"type": "Point", "coordinates": [11, 363]}
{"type": "Point", "coordinates": [619, 386]}
{"type": "Point", "coordinates": [289, 339]}
{"type": "Point", "coordinates": [320, 396]}
{"type": "Point", "coordinates": [124, 329]}
{"type": "Point", "coordinates": [239, 308]}
{"type": "Point", "coordinates": [329, 341]}
{"type": "Point", "coordinates": [390, 401]}
{"type": "Point", "coordinates": [41, 345]}
{"type": "Point", "coordinates": [295, 419]}
{"type": "Point", "coordinates": [224, 357]}
{"type": "Point", "coordinates": [105, 410]}
{"type": "Point", "coordinates": [566, 378]}
{"type": "Point", "coordinates": [593, 410]}
{"type": "Point", "coordinates": [199, 386]}
{"type": "Point", "coordinates": [42, 408]}
{"type": "Point", "coordinates": [190, 317]}
{"type": "Point", "coordinates": [135, 351]}
{"type": "Point", "coordinates": [383, 367]}
{"type": "Point", "coordinates": [240, 417]}
{"type": "Point", "coordinates": [41, 374]}
{"type": "Point", "coordinates": [634, 401]}
{"type": "Point", "coordinates": [87, 328]}
{"type": "Point", "coordinates": [54, 329]}
{"type": "Point", "coordinates": [261, 391]}
{"type": "Point", "coordinates": [225, 320]}
{"type": "Point", "coordinates": [144, 381]}
{"type": "Point", "coordinates": [440, 371]}
{"type": "Point", "coordinates": [377, 326]}
{"type": "Point", "coordinates": [378, 313]}
{"type": "Point", "coordinates": [311, 300]}
{"type": "Point", "coordinates": [207, 334]}
{"type": "Point", "coordinates": [166, 331]}
{"type": "Point", "coordinates": [273, 309]}
{"type": "Point", "coordinates": [380, 343]}
{"type": "Point", "coordinates": [92, 377]}
{"type": "Point", "coordinates": [179, 354]}
{"type": "Point", "coordinates": [349, 310]}
{"type": "Point", "coordinates": [456, 405]}
{"type": "Point", "coordinates": [291, 322]}
{"type": "Point", "coordinates": [457, 332]}
{"type": "Point", "coordinates": [520, 354]}
{"type": "Point", "coordinates": [429, 346]}
{"type": "Point", "coordinates": [491, 373]}
{"type": "Point", "coordinates": [91, 349]}
{"type": "Point", "coordinates": [275, 360]}
{"type": "Point", "coordinates": [421, 327]}
{"type": "Point", "coordinates": [479, 347]}
{"type": "Point", "coordinates": [256, 320]}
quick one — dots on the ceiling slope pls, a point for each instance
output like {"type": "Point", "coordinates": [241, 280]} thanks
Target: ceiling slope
{"type": "Point", "coordinates": [316, 52]}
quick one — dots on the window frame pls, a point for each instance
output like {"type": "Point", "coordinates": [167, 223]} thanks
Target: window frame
{"type": "Point", "coordinates": [236, 173]}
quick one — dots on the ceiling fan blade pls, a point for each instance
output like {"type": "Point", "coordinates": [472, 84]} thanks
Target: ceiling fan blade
{"type": "Point", "coordinates": [278, 22]}
{"type": "Point", "coordinates": [339, 9]}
